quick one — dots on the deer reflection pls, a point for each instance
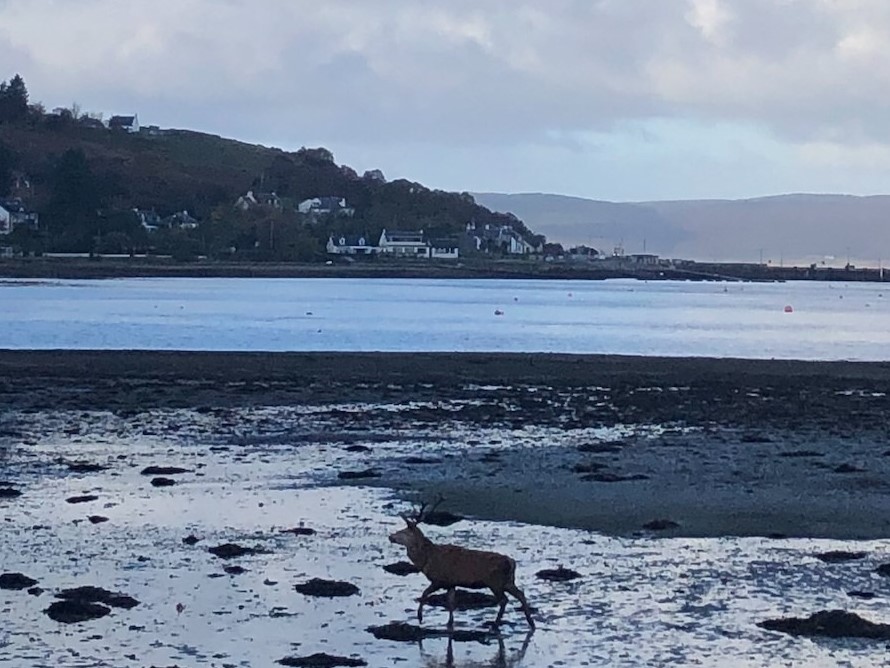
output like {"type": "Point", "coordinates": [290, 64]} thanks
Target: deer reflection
{"type": "Point", "coordinates": [501, 659]}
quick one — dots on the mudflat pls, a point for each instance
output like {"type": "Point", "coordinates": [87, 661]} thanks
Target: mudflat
{"type": "Point", "coordinates": [685, 447]}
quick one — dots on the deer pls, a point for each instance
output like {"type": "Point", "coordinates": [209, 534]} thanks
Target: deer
{"type": "Point", "coordinates": [451, 566]}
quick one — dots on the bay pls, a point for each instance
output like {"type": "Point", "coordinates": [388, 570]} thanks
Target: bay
{"type": "Point", "coordinates": [828, 321]}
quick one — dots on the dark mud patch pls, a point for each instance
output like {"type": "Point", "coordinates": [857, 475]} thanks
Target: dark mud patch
{"type": "Point", "coordinates": [9, 493]}
{"type": "Point", "coordinates": [321, 660]}
{"type": "Point", "coordinates": [90, 594]}
{"type": "Point", "coordinates": [840, 556]}
{"type": "Point", "coordinates": [359, 475]}
{"type": "Point", "coordinates": [829, 624]}
{"type": "Point", "coordinates": [402, 632]}
{"type": "Point", "coordinates": [164, 470]}
{"type": "Point", "coordinates": [74, 612]}
{"type": "Point", "coordinates": [232, 551]}
{"type": "Point", "coordinates": [84, 498]}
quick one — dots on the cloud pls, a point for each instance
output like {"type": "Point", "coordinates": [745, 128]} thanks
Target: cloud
{"type": "Point", "coordinates": [463, 73]}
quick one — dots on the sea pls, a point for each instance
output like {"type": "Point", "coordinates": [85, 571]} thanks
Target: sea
{"type": "Point", "coordinates": [789, 320]}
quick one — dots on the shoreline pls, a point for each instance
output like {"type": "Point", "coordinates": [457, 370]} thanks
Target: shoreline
{"type": "Point", "coordinates": [604, 443]}
{"type": "Point", "coordinates": [110, 268]}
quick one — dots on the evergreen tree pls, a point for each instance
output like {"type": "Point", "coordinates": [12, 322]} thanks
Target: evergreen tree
{"type": "Point", "coordinates": [13, 100]}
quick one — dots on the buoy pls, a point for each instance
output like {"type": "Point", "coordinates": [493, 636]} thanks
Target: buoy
{"type": "Point", "coordinates": [498, 312]}
{"type": "Point", "coordinates": [789, 309]}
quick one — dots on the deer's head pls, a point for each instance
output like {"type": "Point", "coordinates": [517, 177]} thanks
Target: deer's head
{"type": "Point", "coordinates": [410, 536]}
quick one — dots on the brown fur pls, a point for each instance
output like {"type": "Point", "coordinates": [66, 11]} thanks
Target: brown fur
{"type": "Point", "coordinates": [450, 566]}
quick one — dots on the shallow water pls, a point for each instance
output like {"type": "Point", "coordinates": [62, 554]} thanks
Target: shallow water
{"type": "Point", "coordinates": [829, 321]}
{"type": "Point", "coordinates": [642, 600]}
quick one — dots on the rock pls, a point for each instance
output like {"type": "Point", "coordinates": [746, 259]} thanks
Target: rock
{"type": "Point", "coordinates": [89, 594]}
{"type": "Point", "coordinates": [464, 600]}
{"type": "Point", "coordinates": [883, 569]}
{"type": "Point", "coordinates": [85, 498]}
{"type": "Point", "coordinates": [73, 612]}
{"type": "Point", "coordinates": [558, 574]}
{"type": "Point", "coordinates": [441, 518]}
{"type": "Point", "coordinates": [610, 447]}
{"type": "Point", "coordinates": [660, 525]}
{"type": "Point", "coordinates": [162, 482]}
{"type": "Point", "coordinates": [191, 539]}
{"type": "Point", "coordinates": [421, 460]}
{"type": "Point", "coordinates": [85, 467]}
{"type": "Point", "coordinates": [231, 551]}
{"type": "Point", "coordinates": [9, 493]}
{"type": "Point", "coordinates": [357, 475]}
{"type": "Point", "coordinates": [839, 556]}
{"type": "Point", "coordinates": [401, 568]}
{"type": "Point", "coordinates": [401, 632]}
{"type": "Point", "coordinates": [848, 468]}
{"type": "Point", "coordinates": [16, 581]}
{"type": "Point", "coordinates": [299, 531]}
{"type": "Point", "coordinates": [864, 595]}
{"type": "Point", "coordinates": [97, 519]}
{"type": "Point", "coordinates": [830, 624]}
{"type": "Point", "coordinates": [234, 570]}
{"type": "Point", "coordinates": [326, 588]}
{"type": "Point", "coordinates": [357, 448]}
{"type": "Point", "coordinates": [793, 454]}
{"type": "Point", "coordinates": [36, 591]}
{"type": "Point", "coordinates": [613, 477]}
{"type": "Point", "coordinates": [589, 467]}
{"type": "Point", "coordinates": [164, 470]}
{"type": "Point", "coordinates": [320, 660]}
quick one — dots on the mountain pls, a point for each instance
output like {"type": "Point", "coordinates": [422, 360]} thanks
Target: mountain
{"type": "Point", "coordinates": [800, 228]}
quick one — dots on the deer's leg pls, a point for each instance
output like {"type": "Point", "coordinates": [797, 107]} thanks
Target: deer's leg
{"type": "Point", "coordinates": [517, 592]}
{"type": "Point", "coordinates": [451, 600]}
{"type": "Point", "coordinates": [502, 601]}
{"type": "Point", "coordinates": [426, 592]}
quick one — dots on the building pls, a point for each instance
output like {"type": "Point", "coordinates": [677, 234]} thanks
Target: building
{"type": "Point", "coordinates": [490, 238]}
{"type": "Point", "coordinates": [350, 245]}
{"type": "Point", "coordinates": [404, 243]}
{"type": "Point", "coordinates": [320, 206]}
{"type": "Point", "coordinates": [444, 249]}
{"type": "Point", "coordinates": [125, 123]}
{"type": "Point", "coordinates": [254, 200]}
{"type": "Point", "coordinates": [13, 213]}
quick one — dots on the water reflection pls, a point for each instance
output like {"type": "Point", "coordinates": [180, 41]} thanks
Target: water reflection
{"type": "Point", "coordinates": [501, 659]}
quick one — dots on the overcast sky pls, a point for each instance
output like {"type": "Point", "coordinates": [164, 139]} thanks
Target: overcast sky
{"type": "Point", "coordinates": [608, 99]}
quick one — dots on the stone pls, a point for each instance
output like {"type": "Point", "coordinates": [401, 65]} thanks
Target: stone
{"type": "Point", "coordinates": [9, 493]}
{"type": "Point", "coordinates": [90, 594]}
{"type": "Point", "coordinates": [402, 632]}
{"type": "Point", "coordinates": [231, 551]}
{"type": "Point", "coordinates": [164, 470]}
{"type": "Point", "coordinates": [326, 588]}
{"type": "Point", "coordinates": [16, 581]}
{"type": "Point", "coordinates": [97, 519]}
{"type": "Point", "coordinates": [299, 531]}
{"type": "Point", "coordinates": [85, 498]}
{"type": "Point", "coordinates": [558, 574]}
{"type": "Point", "coordinates": [401, 568]}
{"type": "Point", "coordinates": [358, 475]}
{"type": "Point", "coordinates": [162, 482]}
{"type": "Point", "coordinates": [840, 556]}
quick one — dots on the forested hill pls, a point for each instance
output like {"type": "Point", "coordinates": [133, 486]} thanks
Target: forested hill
{"type": "Point", "coordinates": [85, 179]}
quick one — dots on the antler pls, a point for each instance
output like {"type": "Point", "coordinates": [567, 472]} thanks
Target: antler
{"type": "Point", "coordinates": [419, 515]}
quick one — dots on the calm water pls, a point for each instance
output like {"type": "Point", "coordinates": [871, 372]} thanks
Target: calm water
{"type": "Point", "coordinates": [829, 321]}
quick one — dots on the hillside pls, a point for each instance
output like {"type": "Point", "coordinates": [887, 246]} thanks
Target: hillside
{"type": "Point", "coordinates": [85, 182]}
{"type": "Point", "coordinates": [800, 228]}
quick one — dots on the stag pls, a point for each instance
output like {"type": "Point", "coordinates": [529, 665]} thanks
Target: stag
{"type": "Point", "coordinates": [451, 566]}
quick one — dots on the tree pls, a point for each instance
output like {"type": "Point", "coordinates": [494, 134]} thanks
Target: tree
{"type": "Point", "coordinates": [13, 100]}
{"type": "Point", "coordinates": [7, 164]}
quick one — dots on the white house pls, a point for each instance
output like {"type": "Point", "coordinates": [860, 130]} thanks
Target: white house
{"type": "Point", "coordinates": [13, 214]}
{"type": "Point", "coordinates": [403, 244]}
{"type": "Point", "coordinates": [125, 123]}
{"type": "Point", "coordinates": [350, 245]}
{"type": "Point", "coordinates": [319, 206]}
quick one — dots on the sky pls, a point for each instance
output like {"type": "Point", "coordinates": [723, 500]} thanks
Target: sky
{"type": "Point", "coordinates": [623, 100]}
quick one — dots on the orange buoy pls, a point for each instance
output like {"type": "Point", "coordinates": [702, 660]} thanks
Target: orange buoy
{"type": "Point", "coordinates": [789, 309]}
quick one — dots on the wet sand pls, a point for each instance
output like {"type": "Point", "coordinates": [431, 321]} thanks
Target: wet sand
{"type": "Point", "coordinates": [607, 443]}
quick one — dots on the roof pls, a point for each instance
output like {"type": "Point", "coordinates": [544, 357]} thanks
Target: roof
{"type": "Point", "coordinates": [405, 235]}
{"type": "Point", "coordinates": [13, 205]}
{"type": "Point", "coordinates": [351, 239]}
{"type": "Point", "coordinates": [121, 121]}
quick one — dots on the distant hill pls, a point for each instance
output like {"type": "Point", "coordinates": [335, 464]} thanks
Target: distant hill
{"type": "Point", "coordinates": [800, 228]}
